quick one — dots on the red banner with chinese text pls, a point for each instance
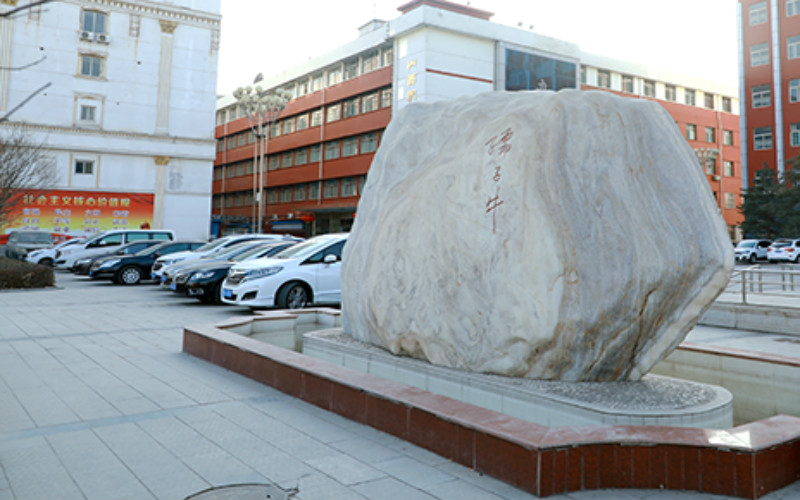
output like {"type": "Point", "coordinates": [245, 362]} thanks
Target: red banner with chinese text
{"type": "Point", "coordinates": [79, 212]}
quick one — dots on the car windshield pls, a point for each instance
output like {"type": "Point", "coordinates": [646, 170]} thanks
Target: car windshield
{"type": "Point", "coordinates": [153, 249]}
{"type": "Point", "coordinates": [35, 238]}
{"type": "Point", "coordinates": [307, 248]}
{"type": "Point", "coordinates": [211, 245]}
{"type": "Point", "coordinates": [780, 244]}
{"type": "Point", "coordinates": [746, 244]}
{"type": "Point", "coordinates": [230, 251]}
{"type": "Point", "coordinates": [254, 252]}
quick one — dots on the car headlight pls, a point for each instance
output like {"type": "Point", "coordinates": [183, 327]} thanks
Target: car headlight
{"type": "Point", "coordinates": [262, 273]}
{"type": "Point", "coordinates": [109, 263]}
{"type": "Point", "coordinates": [203, 275]}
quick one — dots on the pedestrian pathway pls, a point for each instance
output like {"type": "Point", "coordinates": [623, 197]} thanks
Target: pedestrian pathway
{"type": "Point", "coordinates": [98, 401]}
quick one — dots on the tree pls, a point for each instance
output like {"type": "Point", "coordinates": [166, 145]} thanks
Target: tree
{"type": "Point", "coordinates": [24, 165]}
{"type": "Point", "coordinates": [771, 206]}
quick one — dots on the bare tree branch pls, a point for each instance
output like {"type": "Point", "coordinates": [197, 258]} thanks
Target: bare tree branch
{"type": "Point", "coordinates": [23, 7]}
{"type": "Point", "coordinates": [5, 117]}
{"type": "Point", "coordinates": [19, 68]}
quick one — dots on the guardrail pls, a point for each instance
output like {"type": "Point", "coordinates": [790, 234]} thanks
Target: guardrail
{"type": "Point", "coordinates": [778, 280]}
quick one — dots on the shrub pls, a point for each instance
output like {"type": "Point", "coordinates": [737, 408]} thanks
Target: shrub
{"type": "Point", "coordinates": [20, 274]}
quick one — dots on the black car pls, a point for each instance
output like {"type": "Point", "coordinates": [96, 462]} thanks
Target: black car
{"type": "Point", "coordinates": [204, 282]}
{"type": "Point", "coordinates": [82, 266]}
{"type": "Point", "coordinates": [130, 269]}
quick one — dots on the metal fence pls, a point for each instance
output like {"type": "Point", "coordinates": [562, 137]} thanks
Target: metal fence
{"type": "Point", "coordinates": [764, 281]}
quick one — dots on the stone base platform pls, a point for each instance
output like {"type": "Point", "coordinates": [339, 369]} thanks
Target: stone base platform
{"type": "Point", "coordinates": [655, 400]}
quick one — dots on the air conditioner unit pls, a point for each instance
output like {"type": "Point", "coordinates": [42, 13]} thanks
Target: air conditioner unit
{"type": "Point", "coordinates": [87, 35]}
{"type": "Point", "coordinates": [716, 177]}
{"type": "Point", "coordinates": [102, 38]}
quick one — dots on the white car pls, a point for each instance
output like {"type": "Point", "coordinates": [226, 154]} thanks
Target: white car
{"type": "Point", "coordinates": [306, 273]}
{"type": "Point", "coordinates": [47, 256]}
{"type": "Point", "coordinates": [784, 251]}
{"type": "Point", "coordinates": [107, 242]}
{"type": "Point", "coordinates": [211, 246]}
{"type": "Point", "coordinates": [752, 250]}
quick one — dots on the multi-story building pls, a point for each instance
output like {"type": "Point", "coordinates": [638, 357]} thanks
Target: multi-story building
{"type": "Point", "coordinates": [321, 146]}
{"type": "Point", "coordinates": [769, 62]}
{"type": "Point", "coordinates": [125, 107]}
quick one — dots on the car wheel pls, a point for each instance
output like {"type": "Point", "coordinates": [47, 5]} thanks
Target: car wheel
{"type": "Point", "coordinates": [47, 261]}
{"type": "Point", "coordinates": [752, 258]}
{"type": "Point", "coordinates": [129, 275]}
{"type": "Point", "coordinates": [292, 296]}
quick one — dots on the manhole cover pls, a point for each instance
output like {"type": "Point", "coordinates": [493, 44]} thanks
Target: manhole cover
{"type": "Point", "coordinates": [243, 492]}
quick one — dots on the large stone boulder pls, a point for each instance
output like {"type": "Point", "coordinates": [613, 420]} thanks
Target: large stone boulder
{"type": "Point", "coordinates": [563, 236]}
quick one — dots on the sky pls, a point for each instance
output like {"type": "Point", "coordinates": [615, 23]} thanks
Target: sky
{"type": "Point", "coordinates": [692, 37]}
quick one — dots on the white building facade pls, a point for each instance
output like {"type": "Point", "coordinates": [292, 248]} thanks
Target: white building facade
{"type": "Point", "coordinates": [122, 94]}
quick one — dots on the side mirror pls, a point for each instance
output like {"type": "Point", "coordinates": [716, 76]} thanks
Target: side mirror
{"type": "Point", "coordinates": [330, 259]}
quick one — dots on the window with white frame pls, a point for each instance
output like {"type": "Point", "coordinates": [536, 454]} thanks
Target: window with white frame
{"type": "Point", "coordinates": [726, 104]}
{"type": "Point", "coordinates": [711, 134]}
{"type": "Point", "coordinates": [727, 137]}
{"type": "Point", "coordinates": [286, 159]}
{"type": "Point", "coordinates": [669, 93]}
{"type": "Point", "coordinates": [762, 138]}
{"type": "Point", "coordinates": [348, 186]}
{"type": "Point", "coordinates": [371, 62]}
{"type": "Point", "coordinates": [314, 153]}
{"type": "Point", "coordinates": [88, 113]}
{"type": "Point", "coordinates": [331, 189]}
{"type": "Point", "coordinates": [288, 125]}
{"type": "Point", "coordinates": [369, 102]}
{"type": "Point", "coordinates": [688, 97]}
{"type": "Point", "coordinates": [649, 88]}
{"type": "Point", "coordinates": [333, 113]}
{"type": "Point", "coordinates": [758, 13]}
{"type": "Point", "coordinates": [313, 190]}
{"type": "Point", "coordinates": [386, 98]}
{"type": "Point", "coordinates": [369, 142]}
{"type": "Point", "coordinates": [691, 132]}
{"type": "Point", "coordinates": [603, 78]}
{"type": "Point", "coordinates": [627, 83]}
{"type": "Point", "coordinates": [301, 156]}
{"type": "Point", "coordinates": [350, 107]}
{"type": "Point", "coordinates": [300, 192]}
{"type": "Point", "coordinates": [792, 7]}
{"type": "Point", "coordinates": [317, 82]}
{"type": "Point", "coordinates": [316, 118]}
{"type": "Point", "coordinates": [794, 134]}
{"type": "Point", "coordinates": [334, 76]}
{"type": "Point", "coordinates": [793, 47]}
{"type": "Point", "coordinates": [91, 65]}
{"type": "Point", "coordinates": [708, 99]}
{"type": "Point", "coordinates": [351, 69]}
{"type": "Point", "coordinates": [331, 150]}
{"type": "Point", "coordinates": [350, 146]}
{"type": "Point", "coordinates": [730, 200]}
{"type": "Point", "coordinates": [302, 121]}
{"type": "Point", "coordinates": [762, 96]}
{"type": "Point", "coordinates": [84, 167]}
{"type": "Point", "coordinates": [286, 194]}
{"type": "Point", "coordinates": [711, 166]}
{"type": "Point", "coordinates": [274, 162]}
{"type": "Point", "coordinates": [93, 21]}
{"type": "Point", "coordinates": [759, 54]}
{"type": "Point", "coordinates": [794, 90]}
{"type": "Point", "coordinates": [273, 195]}
{"type": "Point", "coordinates": [727, 168]}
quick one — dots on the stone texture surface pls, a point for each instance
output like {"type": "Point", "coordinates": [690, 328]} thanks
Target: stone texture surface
{"type": "Point", "coordinates": [566, 236]}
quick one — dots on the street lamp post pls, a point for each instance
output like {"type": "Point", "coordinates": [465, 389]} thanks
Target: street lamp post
{"type": "Point", "coordinates": [261, 107]}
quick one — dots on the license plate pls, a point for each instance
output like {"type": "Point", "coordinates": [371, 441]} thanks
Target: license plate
{"type": "Point", "coordinates": [227, 293]}
{"type": "Point", "coordinates": [173, 286]}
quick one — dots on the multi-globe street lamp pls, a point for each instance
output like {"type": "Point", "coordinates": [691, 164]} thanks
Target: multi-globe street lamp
{"type": "Point", "coordinates": [261, 107]}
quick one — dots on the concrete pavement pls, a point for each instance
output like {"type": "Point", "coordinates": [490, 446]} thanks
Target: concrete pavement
{"type": "Point", "coordinates": [98, 401]}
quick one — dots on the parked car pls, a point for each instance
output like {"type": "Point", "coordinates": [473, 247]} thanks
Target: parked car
{"type": "Point", "coordinates": [47, 256]}
{"type": "Point", "coordinates": [211, 246]}
{"type": "Point", "coordinates": [84, 265]}
{"type": "Point", "coordinates": [203, 280]}
{"type": "Point", "coordinates": [752, 250]}
{"type": "Point", "coordinates": [21, 242]}
{"type": "Point", "coordinates": [130, 269]}
{"type": "Point", "coordinates": [306, 273]}
{"type": "Point", "coordinates": [220, 254]}
{"type": "Point", "coordinates": [784, 251]}
{"type": "Point", "coordinates": [104, 242]}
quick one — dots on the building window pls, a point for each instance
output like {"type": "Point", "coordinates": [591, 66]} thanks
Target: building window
{"type": "Point", "coordinates": [286, 159]}
{"type": "Point", "coordinates": [316, 118]}
{"type": "Point", "coordinates": [708, 99]}
{"type": "Point", "coordinates": [792, 7]}
{"type": "Point", "coordinates": [758, 13]}
{"type": "Point", "coordinates": [302, 122]}
{"type": "Point", "coordinates": [669, 93]}
{"type": "Point", "coordinates": [333, 113]}
{"type": "Point", "coordinates": [730, 200]}
{"type": "Point", "coordinates": [331, 150]}
{"type": "Point", "coordinates": [603, 78]}
{"type": "Point", "coordinates": [371, 62]}
{"type": "Point", "coordinates": [317, 82]}
{"type": "Point", "coordinates": [334, 76]}
{"type": "Point", "coordinates": [649, 88]}
{"type": "Point", "coordinates": [386, 97]}
{"type": "Point", "coordinates": [350, 146]}
{"type": "Point", "coordinates": [762, 138]}
{"type": "Point", "coordinates": [711, 166]}
{"type": "Point", "coordinates": [369, 102]}
{"type": "Point", "coordinates": [727, 137]}
{"type": "Point", "coordinates": [351, 69]}
{"type": "Point", "coordinates": [331, 189]}
{"type": "Point", "coordinates": [627, 83]}
{"type": "Point", "coordinates": [759, 54]}
{"type": "Point", "coordinates": [350, 107]}
{"type": "Point", "coordinates": [313, 191]}
{"type": "Point", "coordinates": [88, 113]}
{"type": "Point", "coordinates": [273, 195]}
{"type": "Point", "coordinates": [711, 134]}
{"type": "Point", "coordinates": [762, 96]}
{"type": "Point", "coordinates": [241, 139]}
{"type": "Point", "coordinates": [727, 168]}
{"type": "Point", "coordinates": [274, 129]}
{"type": "Point", "coordinates": [84, 167]}
{"type": "Point", "coordinates": [274, 162]}
{"type": "Point", "coordinates": [288, 125]}
{"type": "Point", "coordinates": [793, 45]}
{"type": "Point", "coordinates": [688, 97]}
{"type": "Point", "coordinates": [726, 104]}
{"type": "Point", "coordinates": [91, 65]}
{"type": "Point", "coordinates": [221, 145]}
{"type": "Point", "coordinates": [583, 75]}
{"type": "Point", "coordinates": [286, 194]}
{"type": "Point", "coordinates": [794, 134]}
{"type": "Point", "coordinates": [93, 22]}
{"type": "Point", "coordinates": [348, 186]}
{"type": "Point", "coordinates": [362, 181]}
{"type": "Point", "coordinates": [794, 90]}
{"type": "Point", "coordinates": [369, 142]}
{"type": "Point", "coordinates": [314, 153]}
{"type": "Point", "coordinates": [691, 132]}
{"type": "Point", "coordinates": [301, 156]}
